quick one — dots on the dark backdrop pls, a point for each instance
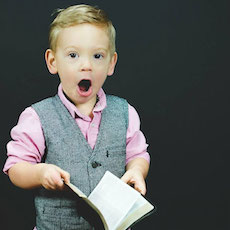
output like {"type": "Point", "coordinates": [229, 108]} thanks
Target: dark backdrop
{"type": "Point", "coordinates": [173, 67]}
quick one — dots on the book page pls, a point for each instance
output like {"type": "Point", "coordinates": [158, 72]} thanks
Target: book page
{"type": "Point", "coordinates": [137, 212]}
{"type": "Point", "coordinates": [87, 209]}
{"type": "Point", "coordinates": [76, 190]}
{"type": "Point", "coordinates": [113, 198]}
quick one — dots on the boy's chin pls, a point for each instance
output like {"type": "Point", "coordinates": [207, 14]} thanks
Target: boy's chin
{"type": "Point", "coordinates": [84, 100]}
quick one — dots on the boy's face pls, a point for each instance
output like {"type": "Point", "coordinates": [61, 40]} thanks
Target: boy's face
{"type": "Point", "coordinates": [82, 61]}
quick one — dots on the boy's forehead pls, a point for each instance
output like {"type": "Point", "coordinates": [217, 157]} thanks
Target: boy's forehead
{"type": "Point", "coordinates": [84, 34]}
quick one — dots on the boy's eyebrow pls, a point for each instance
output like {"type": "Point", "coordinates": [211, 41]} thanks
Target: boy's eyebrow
{"type": "Point", "coordinates": [70, 47]}
{"type": "Point", "coordinates": [101, 48]}
{"type": "Point", "coordinates": [95, 48]}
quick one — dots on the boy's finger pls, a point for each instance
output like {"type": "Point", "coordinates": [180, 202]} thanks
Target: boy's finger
{"type": "Point", "coordinates": [140, 188]}
{"type": "Point", "coordinates": [55, 180]}
{"type": "Point", "coordinates": [65, 176]}
{"type": "Point", "coordinates": [126, 178]}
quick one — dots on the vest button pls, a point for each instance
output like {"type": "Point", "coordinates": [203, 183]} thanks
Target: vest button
{"type": "Point", "coordinates": [95, 164]}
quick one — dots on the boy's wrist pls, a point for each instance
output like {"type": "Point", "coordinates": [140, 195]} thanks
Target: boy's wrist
{"type": "Point", "coordinates": [139, 165]}
{"type": "Point", "coordinates": [40, 172]}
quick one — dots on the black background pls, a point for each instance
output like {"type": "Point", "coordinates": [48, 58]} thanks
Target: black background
{"type": "Point", "coordinates": [173, 67]}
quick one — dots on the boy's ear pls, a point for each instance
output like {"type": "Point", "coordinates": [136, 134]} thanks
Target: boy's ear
{"type": "Point", "coordinates": [50, 61]}
{"type": "Point", "coordinates": [112, 64]}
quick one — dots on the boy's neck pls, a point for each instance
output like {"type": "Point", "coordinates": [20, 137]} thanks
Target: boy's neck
{"type": "Point", "coordinates": [86, 108]}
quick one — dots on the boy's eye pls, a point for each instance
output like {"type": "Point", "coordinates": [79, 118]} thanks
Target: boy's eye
{"type": "Point", "coordinates": [98, 56]}
{"type": "Point", "coordinates": [73, 55]}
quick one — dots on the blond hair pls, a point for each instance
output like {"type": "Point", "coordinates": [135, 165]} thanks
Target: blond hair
{"type": "Point", "coordinates": [79, 14]}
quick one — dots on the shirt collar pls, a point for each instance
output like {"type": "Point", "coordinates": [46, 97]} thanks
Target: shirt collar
{"type": "Point", "coordinates": [100, 105]}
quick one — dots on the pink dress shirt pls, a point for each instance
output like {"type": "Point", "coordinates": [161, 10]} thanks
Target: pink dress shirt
{"type": "Point", "coordinates": [28, 143]}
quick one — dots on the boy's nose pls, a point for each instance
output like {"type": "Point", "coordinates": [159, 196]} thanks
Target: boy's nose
{"type": "Point", "coordinates": [86, 65]}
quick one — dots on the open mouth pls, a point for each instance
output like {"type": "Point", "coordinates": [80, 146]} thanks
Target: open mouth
{"type": "Point", "coordinates": [84, 85]}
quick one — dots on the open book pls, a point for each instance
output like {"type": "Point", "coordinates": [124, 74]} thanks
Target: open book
{"type": "Point", "coordinates": [114, 204]}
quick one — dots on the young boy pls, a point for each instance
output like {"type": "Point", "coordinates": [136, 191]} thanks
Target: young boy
{"type": "Point", "coordinates": [81, 132]}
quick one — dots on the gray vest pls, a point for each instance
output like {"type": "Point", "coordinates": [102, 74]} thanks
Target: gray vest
{"type": "Point", "coordinates": [67, 148]}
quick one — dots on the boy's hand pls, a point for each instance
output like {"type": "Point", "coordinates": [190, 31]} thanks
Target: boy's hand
{"type": "Point", "coordinates": [136, 172]}
{"type": "Point", "coordinates": [52, 177]}
{"type": "Point", "coordinates": [135, 178]}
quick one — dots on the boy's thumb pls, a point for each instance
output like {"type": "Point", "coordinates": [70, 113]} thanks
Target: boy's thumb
{"type": "Point", "coordinates": [65, 176]}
